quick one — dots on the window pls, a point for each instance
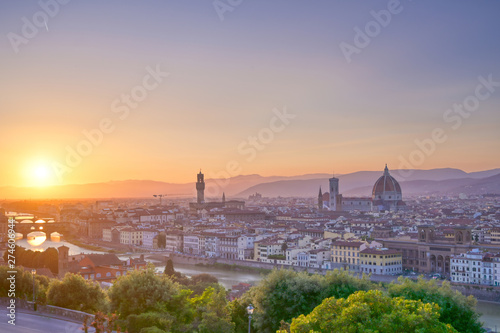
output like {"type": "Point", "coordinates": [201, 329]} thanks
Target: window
{"type": "Point", "coordinates": [108, 274]}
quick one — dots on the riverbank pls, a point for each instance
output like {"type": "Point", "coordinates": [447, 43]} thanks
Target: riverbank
{"type": "Point", "coordinates": [236, 268]}
{"type": "Point", "coordinates": [88, 246]}
{"type": "Point", "coordinates": [490, 311]}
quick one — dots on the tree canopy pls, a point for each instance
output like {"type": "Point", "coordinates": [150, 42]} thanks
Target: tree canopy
{"type": "Point", "coordinates": [142, 291]}
{"type": "Point", "coordinates": [285, 294]}
{"type": "Point", "coordinates": [371, 311]}
{"type": "Point", "coordinates": [74, 292]}
{"type": "Point", "coordinates": [36, 259]}
{"type": "Point", "coordinates": [454, 308]}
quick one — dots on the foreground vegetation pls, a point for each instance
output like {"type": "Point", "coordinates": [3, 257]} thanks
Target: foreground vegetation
{"type": "Point", "coordinates": [285, 301]}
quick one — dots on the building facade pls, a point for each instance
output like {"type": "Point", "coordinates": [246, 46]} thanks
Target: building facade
{"type": "Point", "coordinates": [386, 196]}
{"type": "Point", "coordinates": [429, 253]}
{"type": "Point", "coordinates": [476, 267]}
{"type": "Point", "coordinates": [381, 261]}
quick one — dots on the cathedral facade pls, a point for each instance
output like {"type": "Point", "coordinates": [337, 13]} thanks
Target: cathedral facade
{"type": "Point", "coordinates": [386, 196]}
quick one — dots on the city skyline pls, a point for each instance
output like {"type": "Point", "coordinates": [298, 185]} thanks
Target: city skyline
{"type": "Point", "coordinates": [99, 91]}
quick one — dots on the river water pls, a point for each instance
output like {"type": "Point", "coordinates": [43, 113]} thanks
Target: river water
{"type": "Point", "coordinates": [73, 249]}
{"type": "Point", "coordinates": [226, 278]}
{"type": "Point", "coordinates": [490, 311]}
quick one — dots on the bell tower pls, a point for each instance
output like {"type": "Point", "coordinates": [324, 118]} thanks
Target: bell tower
{"type": "Point", "coordinates": [320, 199]}
{"type": "Point", "coordinates": [62, 262]}
{"type": "Point", "coordinates": [200, 188]}
{"type": "Point", "coordinates": [334, 193]}
{"type": "Point", "coordinates": [426, 233]}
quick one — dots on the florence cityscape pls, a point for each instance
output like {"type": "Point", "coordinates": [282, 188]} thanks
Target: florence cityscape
{"type": "Point", "coordinates": [234, 166]}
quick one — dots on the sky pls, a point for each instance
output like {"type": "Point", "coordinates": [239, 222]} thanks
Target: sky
{"type": "Point", "coordinates": [96, 91]}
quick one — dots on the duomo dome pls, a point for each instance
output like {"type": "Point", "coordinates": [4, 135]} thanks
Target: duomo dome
{"type": "Point", "coordinates": [387, 194]}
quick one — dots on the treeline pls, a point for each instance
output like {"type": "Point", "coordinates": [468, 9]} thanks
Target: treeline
{"type": "Point", "coordinates": [36, 259]}
{"type": "Point", "coordinates": [285, 301]}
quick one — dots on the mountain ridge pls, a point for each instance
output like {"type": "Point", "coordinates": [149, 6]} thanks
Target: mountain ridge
{"type": "Point", "coordinates": [306, 185]}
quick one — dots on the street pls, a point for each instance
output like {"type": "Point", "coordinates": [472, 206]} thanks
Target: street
{"type": "Point", "coordinates": [31, 323]}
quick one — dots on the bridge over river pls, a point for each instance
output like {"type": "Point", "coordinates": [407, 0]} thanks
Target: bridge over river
{"type": "Point", "coordinates": [26, 224]}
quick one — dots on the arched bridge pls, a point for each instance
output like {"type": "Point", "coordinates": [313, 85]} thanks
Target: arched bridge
{"type": "Point", "coordinates": [26, 225]}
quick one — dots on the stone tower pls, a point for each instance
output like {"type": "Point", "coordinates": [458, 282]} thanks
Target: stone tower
{"type": "Point", "coordinates": [426, 233]}
{"type": "Point", "coordinates": [320, 199]}
{"type": "Point", "coordinates": [200, 188]}
{"type": "Point", "coordinates": [62, 262]}
{"type": "Point", "coordinates": [462, 235]}
{"type": "Point", "coordinates": [334, 193]}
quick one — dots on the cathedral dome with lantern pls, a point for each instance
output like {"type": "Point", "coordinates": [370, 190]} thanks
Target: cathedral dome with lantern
{"type": "Point", "coordinates": [387, 194]}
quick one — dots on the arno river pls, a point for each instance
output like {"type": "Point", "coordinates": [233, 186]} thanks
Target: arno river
{"type": "Point", "coordinates": [490, 311]}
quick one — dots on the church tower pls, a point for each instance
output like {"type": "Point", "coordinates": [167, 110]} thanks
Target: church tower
{"type": "Point", "coordinates": [62, 262]}
{"type": "Point", "coordinates": [200, 188]}
{"type": "Point", "coordinates": [320, 199]}
{"type": "Point", "coordinates": [334, 193]}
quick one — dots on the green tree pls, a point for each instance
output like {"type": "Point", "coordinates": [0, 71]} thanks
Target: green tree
{"type": "Point", "coordinates": [152, 330]}
{"type": "Point", "coordinates": [204, 278]}
{"type": "Point", "coordinates": [216, 316]}
{"type": "Point", "coordinates": [74, 292]}
{"type": "Point", "coordinates": [340, 284]}
{"type": "Point", "coordinates": [103, 323]}
{"type": "Point", "coordinates": [41, 286]}
{"type": "Point", "coordinates": [142, 291]}
{"type": "Point", "coordinates": [371, 311]}
{"type": "Point", "coordinates": [211, 312]}
{"type": "Point", "coordinates": [37, 260]}
{"type": "Point", "coordinates": [148, 322]}
{"type": "Point", "coordinates": [455, 308]}
{"type": "Point", "coordinates": [198, 283]}
{"type": "Point", "coordinates": [285, 294]}
{"type": "Point", "coordinates": [27, 259]}
{"type": "Point", "coordinates": [169, 268]}
{"type": "Point", "coordinates": [175, 276]}
{"type": "Point", "coordinates": [24, 283]}
{"type": "Point", "coordinates": [50, 259]}
{"type": "Point", "coordinates": [239, 315]}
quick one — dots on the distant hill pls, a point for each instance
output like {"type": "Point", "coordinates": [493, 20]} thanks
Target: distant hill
{"type": "Point", "coordinates": [469, 186]}
{"type": "Point", "coordinates": [143, 188]}
{"type": "Point", "coordinates": [436, 181]}
{"type": "Point", "coordinates": [452, 181]}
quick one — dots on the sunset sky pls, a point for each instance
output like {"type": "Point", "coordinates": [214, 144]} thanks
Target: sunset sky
{"type": "Point", "coordinates": [229, 78]}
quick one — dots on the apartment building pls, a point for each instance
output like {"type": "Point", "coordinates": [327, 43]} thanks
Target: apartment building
{"type": "Point", "coordinates": [476, 267]}
{"type": "Point", "coordinates": [381, 261]}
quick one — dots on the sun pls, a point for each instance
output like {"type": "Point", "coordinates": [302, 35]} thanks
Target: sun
{"type": "Point", "coordinates": [40, 174]}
